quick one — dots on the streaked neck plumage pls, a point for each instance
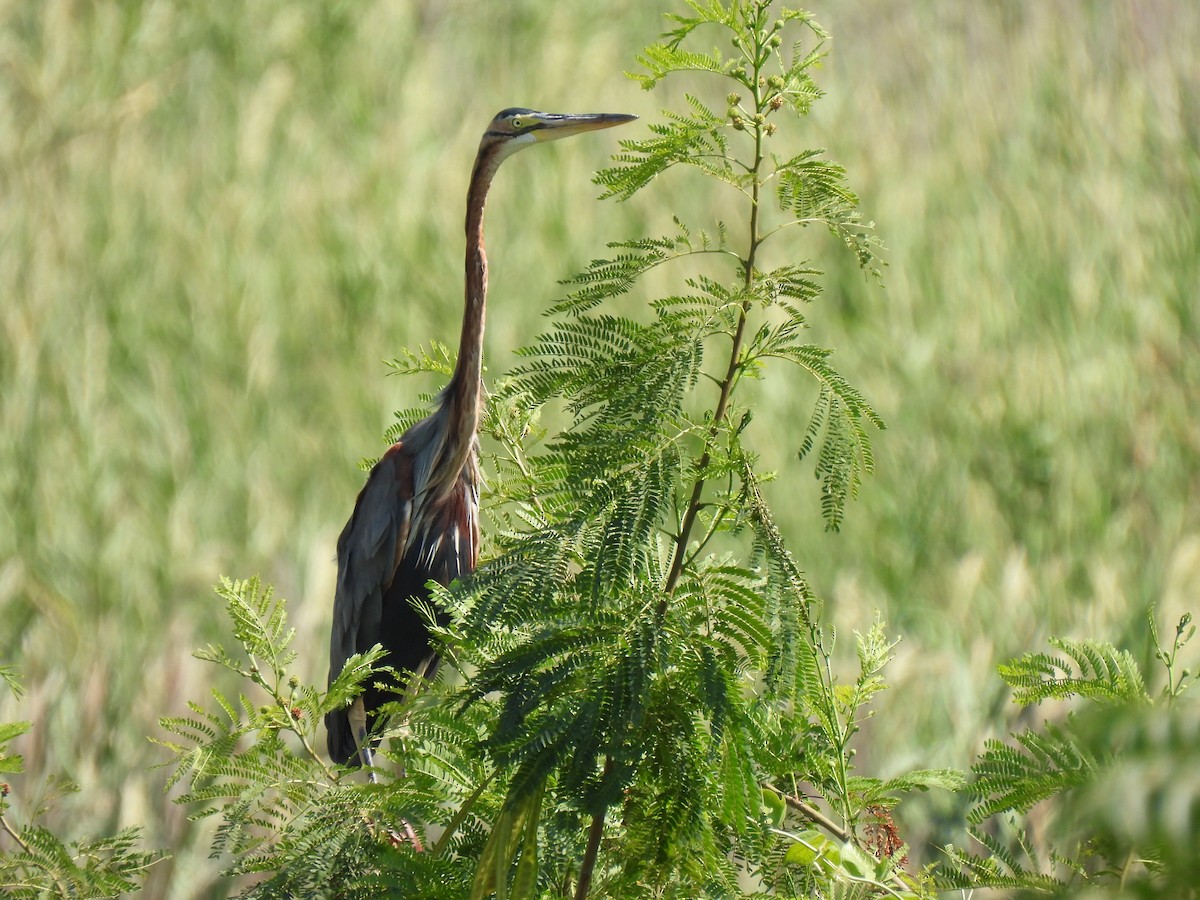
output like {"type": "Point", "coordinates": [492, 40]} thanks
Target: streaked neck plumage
{"type": "Point", "coordinates": [464, 394]}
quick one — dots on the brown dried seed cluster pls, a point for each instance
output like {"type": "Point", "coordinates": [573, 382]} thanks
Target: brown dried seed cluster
{"type": "Point", "coordinates": [882, 836]}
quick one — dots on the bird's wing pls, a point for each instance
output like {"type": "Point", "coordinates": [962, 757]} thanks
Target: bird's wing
{"type": "Point", "coordinates": [369, 551]}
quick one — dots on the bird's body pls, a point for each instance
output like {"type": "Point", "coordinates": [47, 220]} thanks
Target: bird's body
{"type": "Point", "coordinates": [417, 518]}
{"type": "Point", "coordinates": [396, 542]}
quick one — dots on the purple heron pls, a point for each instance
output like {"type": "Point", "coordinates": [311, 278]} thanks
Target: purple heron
{"type": "Point", "coordinates": [417, 518]}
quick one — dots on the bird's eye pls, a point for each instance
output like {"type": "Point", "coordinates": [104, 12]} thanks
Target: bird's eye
{"type": "Point", "coordinates": [516, 122]}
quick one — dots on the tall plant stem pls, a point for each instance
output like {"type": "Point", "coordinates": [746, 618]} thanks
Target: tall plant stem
{"type": "Point", "coordinates": [596, 829]}
{"type": "Point", "coordinates": [688, 523]}
{"type": "Point", "coordinates": [731, 372]}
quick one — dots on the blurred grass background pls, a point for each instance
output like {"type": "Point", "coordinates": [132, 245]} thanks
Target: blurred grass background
{"type": "Point", "coordinates": [217, 219]}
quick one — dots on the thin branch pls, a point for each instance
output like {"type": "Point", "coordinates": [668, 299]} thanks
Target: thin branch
{"type": "Point", "coordinates": [811, 813]}
{"type": "Point", "coordinates": [330, 774]}
{"type": "Point", "coordinates": [722, 157]}
{"type": "Point", "coordinates": [517, 455]}
{"type": "Point", "coordinates": [285, 707]}
{"type": "Point", "coordinates": [16, 837]}
{"type": "Point", "coordinates": [595, 832]}
{"type": "Point", "coordinates": [818, 818]}
{"type": "Point", "coordinates": [694, 504]}
{"type": "Point", "coordinates": [33, 858]}
{"type": "Point", "coordinates": [812, 220]}
{"type": "Point", "coordinates": [713, 528]}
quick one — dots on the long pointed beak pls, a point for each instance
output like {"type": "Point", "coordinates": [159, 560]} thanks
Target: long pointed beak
{"type": "Point", "coordinates": [552, 126]}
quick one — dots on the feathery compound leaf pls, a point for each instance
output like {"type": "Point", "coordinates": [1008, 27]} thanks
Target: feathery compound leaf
{"type": "Point", "coordinates": [813, 187]}
{"type": "Point", "coordinates": [36, 863]}
{"type": "Point", "coordinates": [837, 426]}
{"type": "Point", "coordinates": [1145, 799]}
{"type": "Point", "coordinates": [625, 379]}
{"type": "Point", "coordinates": [43, 866]}
{"type": "Point", "coordinates": [405, 419]}
{"type": "Point", "coordinates": [793, 282]}
{"type": "Point", "coordinates": [815, 191]}
{"type": "Point", "coordinates": [660, 60]}
{"type": "Point", "coordinates": [697, 140]}
{"type": "Point", "coordinates": [1040, 766]}
{"type": "Point", "coordinates": [1100, 672]}
{"type": "Point", "coordinates": [837, 423]}
{"type": "Point", "coordinates": [438, 360]}
{"type": "Point", "coordinates": [349, 683]}
{"type": "Point", "coordinates": [999, 869]}
{"type": "Point", "coordinates": [923, 780]}
{"type": "Point", "coordinates": [283, 811]}
{"type": "Point", "coordinates": [8, 676]}
{"type": "Point", "coordinates": [636, 513]}
{"type": "Point", "coordinates": [702, 315]}
{"type": "Point", "coordinates": [607, 278]}
{"type": "Point", "coordinates": [259, 622]}
{"type": "Point", "coordinates": [11, 763]}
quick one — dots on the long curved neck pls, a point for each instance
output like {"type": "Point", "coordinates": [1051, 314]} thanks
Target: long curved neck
{"type": "Point", "coordinates": [463, 394]}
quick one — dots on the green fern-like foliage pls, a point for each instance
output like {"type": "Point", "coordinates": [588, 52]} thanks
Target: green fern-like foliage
{"type": "Point", "coordinates": [1115, 780]}
{"type": "Point", "coordinates": [286, 815]}
{"type": "Point", "coordinates": [1085, 668]}
{"type": "Point", "coordinates": [35, 862]}
{"type": "Point", "coordinates": [43, 865]}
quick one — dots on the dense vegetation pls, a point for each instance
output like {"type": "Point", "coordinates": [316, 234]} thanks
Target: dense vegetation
{"type": "Point", "coordinates": [205, 241]}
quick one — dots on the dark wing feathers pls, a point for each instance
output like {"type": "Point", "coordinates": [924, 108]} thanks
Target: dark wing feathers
{"type": "Point", "coordinates": [369, 550]}
{"type": "Point", "coordinates": [396, 541]}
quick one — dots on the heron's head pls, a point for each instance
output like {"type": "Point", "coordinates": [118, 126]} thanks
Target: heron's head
{"type": "Point", "coordinates": [516, 128]}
